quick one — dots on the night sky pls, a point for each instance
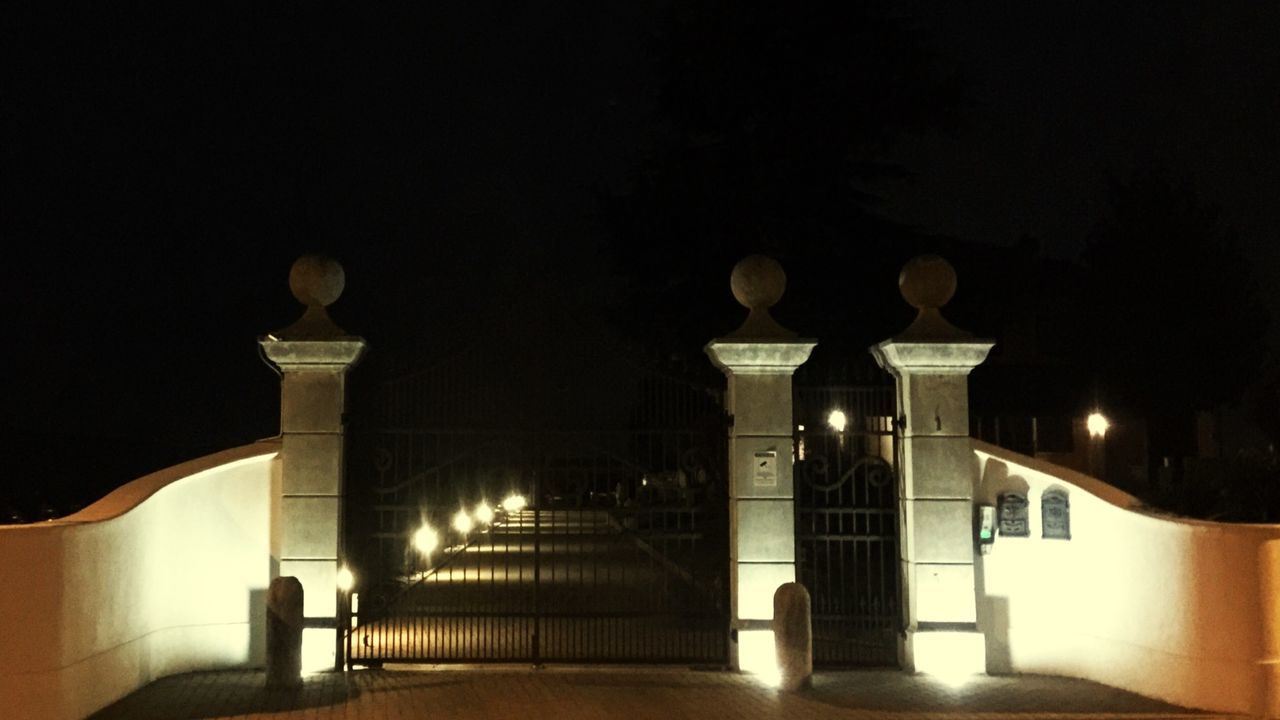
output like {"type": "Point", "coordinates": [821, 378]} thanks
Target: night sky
{"type": "Point", "coordinates": [162, 169]}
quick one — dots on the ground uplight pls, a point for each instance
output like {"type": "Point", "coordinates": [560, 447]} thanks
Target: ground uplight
{"type": "Point", "coordinates": [346, 580]}
{"type": "Point", "coordinates": [426, 540]}
{"type": "Point", "coordinates": [462, 522]}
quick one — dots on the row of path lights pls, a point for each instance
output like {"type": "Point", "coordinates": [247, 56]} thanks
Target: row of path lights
{"type": "Point", "coordinates": [426, 540]}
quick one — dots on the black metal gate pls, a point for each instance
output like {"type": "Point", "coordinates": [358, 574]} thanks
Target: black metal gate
{"type": "Point", "coordinates": [543, 543]}
{"type": "Point", "coordinates": [846, 522]}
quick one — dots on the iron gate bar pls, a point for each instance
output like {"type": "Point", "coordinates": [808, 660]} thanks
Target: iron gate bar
{"type": "Point", "coordinates": [846, 523]}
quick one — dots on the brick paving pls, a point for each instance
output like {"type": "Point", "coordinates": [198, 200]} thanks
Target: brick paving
{"type": "Point", "coordinates": [569, 693]}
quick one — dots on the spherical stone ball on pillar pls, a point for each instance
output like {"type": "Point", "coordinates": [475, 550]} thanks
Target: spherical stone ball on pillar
{"type": "Point", "coordinates": [928, 282]}
{"type": "Point", "coordinates": [317, 282]}
{"type": "Point", "coordinates": [758, 282]}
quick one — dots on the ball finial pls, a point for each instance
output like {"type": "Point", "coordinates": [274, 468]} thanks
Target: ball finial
{"type": "Point", "coordinates": [317, 280]}
{"type": "Point", "coordinates": [758, 282]}
{"type": "Point", "coordinates": [927, 282]}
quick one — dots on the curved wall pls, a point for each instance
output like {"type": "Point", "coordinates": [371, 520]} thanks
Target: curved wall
{"type": "Point", "coordinates": [1171, 608]}
{"type": "Point", "coordinates": [164, 575]}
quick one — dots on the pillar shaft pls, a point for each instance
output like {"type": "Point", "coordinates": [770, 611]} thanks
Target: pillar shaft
{"type": "Point", "coordinates": [936, 495]}
{"type": "Point", "coordinates": [307, 517]}
{"type": "Point", "coordinates": [761, 495]}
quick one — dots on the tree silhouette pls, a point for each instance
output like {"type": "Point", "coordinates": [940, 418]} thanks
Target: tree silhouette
{"type": "Point", "coordinates": [774, 122]}
{"type": "Point", "coordinates": [1171, 321]}
{"type": "Point", "coordinates": [1169, 325]}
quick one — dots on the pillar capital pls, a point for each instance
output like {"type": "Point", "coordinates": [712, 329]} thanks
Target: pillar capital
{"type": "Point", "coordinates": [333, 355]}
{"type": "Point", "coordinates": [936, 357]}
{"type": "Point", "coordinates": [737, 356]}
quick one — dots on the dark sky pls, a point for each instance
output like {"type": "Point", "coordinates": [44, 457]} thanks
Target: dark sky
{"type": "Point", "coordinates": [161, 169]}
{"type": "Point", "coordinates": [1069, 93]}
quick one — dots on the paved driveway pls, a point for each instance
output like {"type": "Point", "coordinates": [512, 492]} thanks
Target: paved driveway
{"type": "Point", "coordinates": [568, 693]}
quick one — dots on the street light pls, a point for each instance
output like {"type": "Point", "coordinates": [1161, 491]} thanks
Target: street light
{"type": "Point", "coordinates": [1097, 424]}
{"type": "Point", "coordinates": [346, 580]}
{"type": "Point", "coordinates": [462, 522]}
{"type": "Point", "coordinates": [426, 540]}
{"type": "Point", "coordinates": [514, 503]}
{"type": "Point", "coordinates": [484, 513]}
{"type": "Point", "coordinates": [837, 420]}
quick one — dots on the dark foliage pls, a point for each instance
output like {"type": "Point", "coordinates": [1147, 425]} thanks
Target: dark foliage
{"type": "Point", "coordinates": [774, 120]}
{"type": "Point", "coordinates": [1171, 322]}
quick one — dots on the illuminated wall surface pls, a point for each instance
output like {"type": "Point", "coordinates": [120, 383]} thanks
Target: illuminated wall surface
{"type": "Point", "coordinates": [165, 575]}
{"type": "Point", "coordinates": [1181, 610]}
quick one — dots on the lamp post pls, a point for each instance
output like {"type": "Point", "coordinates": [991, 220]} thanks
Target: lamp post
{"type": "Point", "coordinates": [1097, 426]}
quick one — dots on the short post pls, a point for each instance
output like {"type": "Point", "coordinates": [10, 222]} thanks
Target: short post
{"type": "Point", "coordinates": [284, 634]}
{"type": "Point", "coordinates": [793, 636]}
{"type": "Point", "coordinates": [759, 359]}
{"type": "Point", "coordinates": [931, 361]}
{"type": "Point", "coordinates": [313, 355]}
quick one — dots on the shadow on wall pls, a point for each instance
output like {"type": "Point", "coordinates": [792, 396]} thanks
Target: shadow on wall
{"type": "Point", "coordinates": [993, 610]}
{"type": "Point", "coordinates": [258, 627]}
{"type": "Point", "coordinates": [1084, 585]}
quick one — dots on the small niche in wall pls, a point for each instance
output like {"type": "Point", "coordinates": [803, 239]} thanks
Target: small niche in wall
{"type": "Point", "coordinates": [1055, 515]}
{"type": "Point", "coordinates": [1012, 515]}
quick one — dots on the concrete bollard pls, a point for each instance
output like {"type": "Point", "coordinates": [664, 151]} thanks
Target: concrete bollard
{"type": "Point", "coordinates": [793, 636]}
{"type": "Point", "coordinates": [284, 634]}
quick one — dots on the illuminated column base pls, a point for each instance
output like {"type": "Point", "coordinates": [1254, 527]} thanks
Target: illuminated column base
{"type": "Point", "coordinates": [318, 653]}
{"type": "Point", "coordinates": [951, 655]}
{"type": "Point", "coordinates": [758, 655]}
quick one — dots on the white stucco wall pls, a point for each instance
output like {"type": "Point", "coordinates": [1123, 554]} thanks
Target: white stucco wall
{"type": "Point", "coordinates": [166, 574]}
{"type": "Point", "coordinates": [1170, 608]}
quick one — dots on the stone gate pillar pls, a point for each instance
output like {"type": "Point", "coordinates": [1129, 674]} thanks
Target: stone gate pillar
{"type": "Point", "coordinates": [759, 359]}
{"type": "Point", "coordinates": [313, 356]}
{"type": "Point", "coordinates": [931, 361]}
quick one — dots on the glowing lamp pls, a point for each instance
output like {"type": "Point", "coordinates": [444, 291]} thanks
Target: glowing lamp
{"type": "Point", "coordinates": [346, 580]}
{"type": "Point", "coordinates": [484, 513]}
{"type": "Point", "coordinates": [426, 540]}
{"type": "Point", "coordinates": [1097, 424]}
{"type": "Point", "coordinates": [462, 522]}
{"type": "Point", "coordinates": [758, 655]}
{"type": "Point", "coordinates": [514, 503]}
{"type": "Point", "coordinates": [837, 420]}
{"type": "Point", "coordinates": [952, 657]}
